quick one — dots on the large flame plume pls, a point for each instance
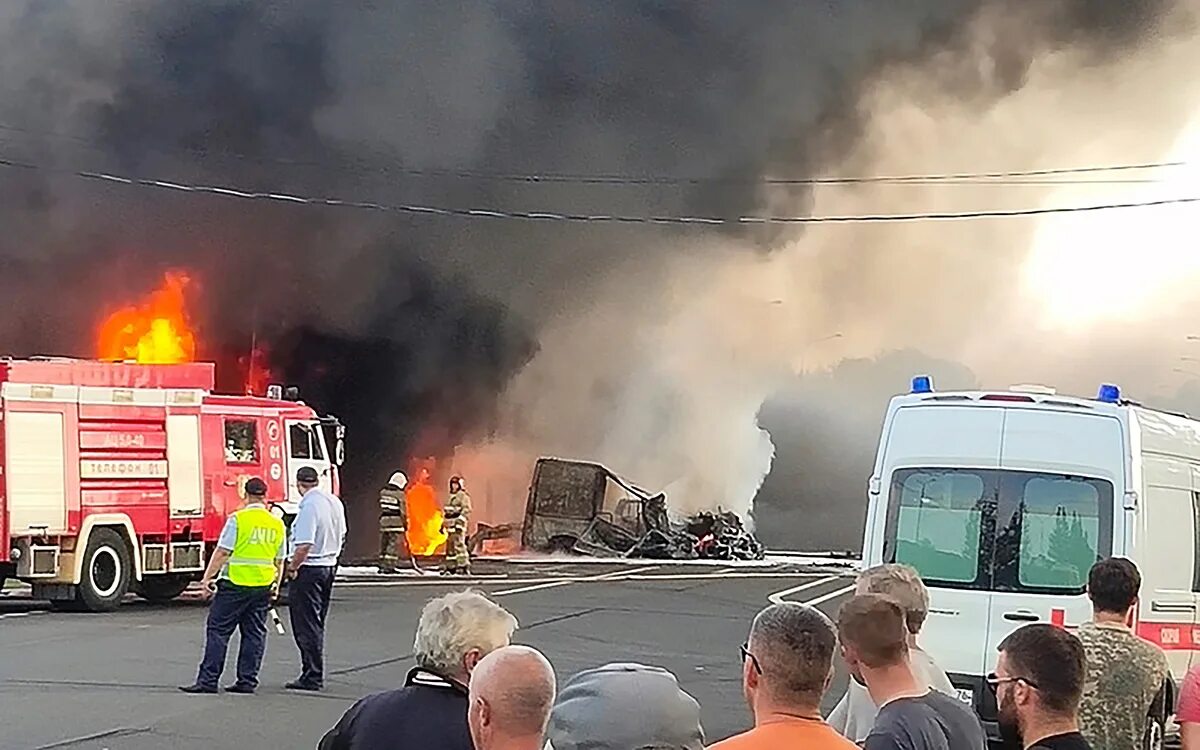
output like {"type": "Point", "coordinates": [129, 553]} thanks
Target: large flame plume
{"type": "Point", "coordinates": [425, 535]}
{"type": "Point", "coordinates": [156, 331]}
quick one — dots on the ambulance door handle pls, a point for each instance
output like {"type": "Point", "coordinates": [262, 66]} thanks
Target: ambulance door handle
{"type": "Point", "coordinates": [1022, 615]}
{"type": "Point", "coordinates": [1172, 607]}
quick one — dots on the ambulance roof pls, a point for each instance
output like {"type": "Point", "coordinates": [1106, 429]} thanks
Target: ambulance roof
{"type": "Point", "coordinates": [85, 372]}
{"type": "Point", "coordinates": [1161, 432]}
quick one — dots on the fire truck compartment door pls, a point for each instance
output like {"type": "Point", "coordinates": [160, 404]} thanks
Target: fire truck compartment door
{"type": "Point", "coordinates": [37, 471]}
{"type": "Point", "coordinates": [185, 484]}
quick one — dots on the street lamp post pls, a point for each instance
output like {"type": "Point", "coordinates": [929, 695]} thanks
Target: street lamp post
{"type": "Point", "coordinates": [811, 344]}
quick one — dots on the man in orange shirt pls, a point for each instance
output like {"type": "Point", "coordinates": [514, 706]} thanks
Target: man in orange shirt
{"type": "Point", "coordinates": [786, 668]}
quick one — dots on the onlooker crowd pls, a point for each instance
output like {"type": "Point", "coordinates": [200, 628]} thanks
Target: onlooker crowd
{"type": "Point", "coordinates": [1054, 689]}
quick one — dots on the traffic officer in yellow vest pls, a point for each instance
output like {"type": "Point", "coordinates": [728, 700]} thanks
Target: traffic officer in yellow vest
{"type": "Point", "coordinates": [249, 561]}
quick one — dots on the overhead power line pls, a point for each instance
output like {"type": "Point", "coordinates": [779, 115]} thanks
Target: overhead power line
{"type": "Point", "coordinates": [1050, 176]}
{"type": "Point", "coordinates": [595, 218]}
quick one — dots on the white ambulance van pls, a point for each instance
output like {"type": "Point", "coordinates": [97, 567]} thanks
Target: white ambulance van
{"type": "Point", "coordinates": [1004, 500]}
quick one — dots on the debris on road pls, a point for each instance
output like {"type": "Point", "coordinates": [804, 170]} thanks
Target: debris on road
{"type": "Point", "coordinates": [586, 509]}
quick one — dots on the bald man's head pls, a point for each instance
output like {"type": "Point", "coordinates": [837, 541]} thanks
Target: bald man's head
{"type": "Point", "coordinates": [512, 690]}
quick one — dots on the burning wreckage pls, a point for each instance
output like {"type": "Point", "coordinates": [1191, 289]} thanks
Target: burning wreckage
{"type": "Point", "coordinates": [583, 508]}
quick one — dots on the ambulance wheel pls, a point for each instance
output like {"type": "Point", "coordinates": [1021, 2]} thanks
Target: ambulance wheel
{"type": "Point", "coordinates": [107, 572]}
{"type": "Point", "coordinates": [162, 588]}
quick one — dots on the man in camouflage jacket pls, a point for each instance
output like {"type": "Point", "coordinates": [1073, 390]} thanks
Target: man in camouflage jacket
{"type": "Point", "coordinates": [1124, 672]}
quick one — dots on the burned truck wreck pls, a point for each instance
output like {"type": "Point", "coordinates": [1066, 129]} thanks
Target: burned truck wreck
{"type": "Point", "coordinates": [583, 508]}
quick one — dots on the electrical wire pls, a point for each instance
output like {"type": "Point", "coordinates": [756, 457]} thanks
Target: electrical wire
{"type": "Point", "coordinates": [1012, 177]}
{"type": "Point", "coordinates": [555, 216]}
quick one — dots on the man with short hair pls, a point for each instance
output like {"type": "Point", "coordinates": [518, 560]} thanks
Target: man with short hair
{"type": "Point", "coordinates": [911, 716]}
{"type": "Point", "coordinates": [511, 692]}
{"type": "Point", "coordinates": [1038, 683]}
{"type": "Point", "coordinates": [855, 714]}
{"type": "Point", "coordinates": [455, 632]}
{"type": "Point", "coordinates": [243, 575]}
{"type": "Point", "coordinates": [787, 664]}
{"type": "Point", "coordinates": [1124, 672]}
{"type": "Point", "coordinates": [318, 535]}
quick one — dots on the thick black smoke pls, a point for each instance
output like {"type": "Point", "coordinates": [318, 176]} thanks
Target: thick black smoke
{"type": "Point", "coordinates": [409, 328]}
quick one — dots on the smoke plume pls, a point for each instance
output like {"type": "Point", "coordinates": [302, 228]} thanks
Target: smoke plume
{"type": "Point", "coordinates": [650, 349]}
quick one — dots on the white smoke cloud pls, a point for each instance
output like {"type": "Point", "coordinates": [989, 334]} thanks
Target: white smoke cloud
{"type": "Point", "coordinates": [662, 378]}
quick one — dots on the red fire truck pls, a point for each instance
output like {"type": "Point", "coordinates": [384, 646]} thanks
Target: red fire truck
{"type": "Point", "coordinates": [118, 477]}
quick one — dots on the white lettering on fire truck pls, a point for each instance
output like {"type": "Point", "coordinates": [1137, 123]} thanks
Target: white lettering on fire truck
{"type": "Point", "coordinates": [93, 469]}
{"type": "Point", "coordinates": [125, 440]}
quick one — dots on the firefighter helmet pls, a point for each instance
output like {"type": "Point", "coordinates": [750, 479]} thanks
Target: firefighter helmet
{"type": "Point", "coordinates": [398, 480]}
{"type": "Point", "coordinates": [459, 480]}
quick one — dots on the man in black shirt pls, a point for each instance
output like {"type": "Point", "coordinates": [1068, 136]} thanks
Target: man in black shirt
{"type": "Point", "coordinates": [911, 716]}
{"type": "Point", "coordinates": [1038, 683]}
{"type": "Point", "coordinates": [455, 632]}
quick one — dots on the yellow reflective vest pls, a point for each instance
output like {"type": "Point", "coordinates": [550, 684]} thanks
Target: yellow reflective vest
{"type": "Point", "coordinates": [260, 537]}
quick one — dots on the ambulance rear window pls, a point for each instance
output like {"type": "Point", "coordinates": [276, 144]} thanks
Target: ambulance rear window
{"type": "Point", "coordinates": [1060, 532]}
{"type": "Point", "coordinates": [938, 523]}
{"type": "Point", "coordinates": [999, 530]}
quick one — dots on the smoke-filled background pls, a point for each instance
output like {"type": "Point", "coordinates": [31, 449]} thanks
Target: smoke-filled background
{"type": "Point", "coordinates": [662, 352]}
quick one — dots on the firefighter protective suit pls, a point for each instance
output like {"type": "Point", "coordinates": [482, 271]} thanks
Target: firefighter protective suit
{"type": "Point", "coordinates": [393, 523]}
{"type": "Point", "coordinates": [457, 515]}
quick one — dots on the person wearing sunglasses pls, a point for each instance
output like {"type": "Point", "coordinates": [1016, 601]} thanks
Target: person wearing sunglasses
{"type": "Point", "coordinates": [786, 668]}
{"type": "Point", "coordinates": [1039, 683]}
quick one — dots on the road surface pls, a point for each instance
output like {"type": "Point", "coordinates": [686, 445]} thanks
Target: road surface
{"type": "Point", "coordinates": [109, 681]}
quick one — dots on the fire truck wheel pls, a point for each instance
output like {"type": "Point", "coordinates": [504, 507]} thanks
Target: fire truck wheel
{"type": "Point", "coordinates": [107, 571]}
{"type": "Point", "coordinates": [162, 588]}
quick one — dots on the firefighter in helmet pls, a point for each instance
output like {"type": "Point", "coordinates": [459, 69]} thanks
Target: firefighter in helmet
{"type": "Point", "coordinates": [457, 517]}
{"type": "Point", "coordinates": [392, 522]}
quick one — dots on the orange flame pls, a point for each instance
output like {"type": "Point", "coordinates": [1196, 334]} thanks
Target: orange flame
{"type": "Point", "coordinates": [154, 332]}
{"type": "Point", "coordinates": [424, 533]}
{"type": "Point", "coordinates": [257, 367]}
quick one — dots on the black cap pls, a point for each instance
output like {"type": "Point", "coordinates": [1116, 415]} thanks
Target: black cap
{"type": "Point", "coordinates": [256, 487]}
{"type": "Point", "coordinates": [307, 475]}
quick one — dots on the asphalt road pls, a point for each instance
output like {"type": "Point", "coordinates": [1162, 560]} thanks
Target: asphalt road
{"type": "Point", "coordinates": [109, 681]}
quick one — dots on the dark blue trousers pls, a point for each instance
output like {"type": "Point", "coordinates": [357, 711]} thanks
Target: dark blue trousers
{"type": "Point", "coordinates": [308, 606]}
{"type": "Point", "coordinates": [235, 608]}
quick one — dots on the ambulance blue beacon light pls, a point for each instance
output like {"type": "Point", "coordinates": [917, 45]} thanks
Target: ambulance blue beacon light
{"type": "Point", "coordinates": [922, 384]}
{"type": "Point", "coordinates": [1109, 394]}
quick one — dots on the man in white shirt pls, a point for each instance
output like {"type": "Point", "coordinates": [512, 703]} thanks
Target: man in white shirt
{"type": "Point", "coordinates": [855, 714]}
{"type": "Point", "coordinates": [318, 535]}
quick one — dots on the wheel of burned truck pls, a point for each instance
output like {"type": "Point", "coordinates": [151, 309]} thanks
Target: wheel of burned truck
{"type": "Point", "coordinates": [107, 572]}
{"type": "Point", "coordinates": [162, 588]}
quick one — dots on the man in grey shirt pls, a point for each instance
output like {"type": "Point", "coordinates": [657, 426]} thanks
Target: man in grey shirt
{"type": "Point", "coordinates": [855, 714]}
{"type": "Point", "coordinates": [911, 716]}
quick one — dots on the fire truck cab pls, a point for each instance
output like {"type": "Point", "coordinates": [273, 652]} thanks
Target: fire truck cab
{"type": "Point", "coordinates": [118, 477]}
